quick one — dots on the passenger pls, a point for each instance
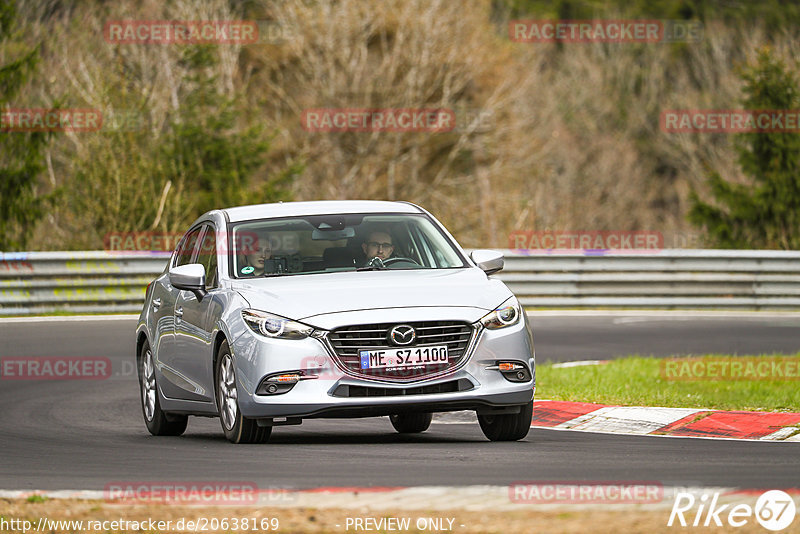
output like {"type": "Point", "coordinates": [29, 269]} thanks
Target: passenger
{"type": "Point", "coordinates": [255, 256]}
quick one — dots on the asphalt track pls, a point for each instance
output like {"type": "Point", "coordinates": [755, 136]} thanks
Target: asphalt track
{"type": "Point", "coordinates": [607, 335]}
{"type": "Point", "coordinates": [87, 434]}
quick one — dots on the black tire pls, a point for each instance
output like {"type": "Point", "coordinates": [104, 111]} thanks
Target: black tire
{"type": "Point", "coordinates": [507, 427]}
{"type": "Point", "coordinates": [237, 428]}
{"type": "Point", "coordinates": [411, 423]}
{"type": "Point", "coordinates": [158, 423]}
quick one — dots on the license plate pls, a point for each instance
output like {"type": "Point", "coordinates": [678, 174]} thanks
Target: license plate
{"type": "Point", "coordinates": [403, 358]}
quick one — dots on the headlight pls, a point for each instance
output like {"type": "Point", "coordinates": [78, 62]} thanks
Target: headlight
{"type": "Point", "coordinates": [507, 314]}
{"type": "Point", "coordinates": [275, 326]}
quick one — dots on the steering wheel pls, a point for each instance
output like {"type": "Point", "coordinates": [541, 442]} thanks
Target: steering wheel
{"type": "Point", "coordinates": [295, 263]}
{"type": "Point", "coordinates": [390, 261]}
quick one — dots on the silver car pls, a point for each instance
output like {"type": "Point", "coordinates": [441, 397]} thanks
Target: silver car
{"type": "Point", "coordinates": [270, 314]}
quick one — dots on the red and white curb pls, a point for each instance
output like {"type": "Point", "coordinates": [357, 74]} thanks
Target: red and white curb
{"type": "Point", "coordinates": [646, 421]}
{"type": "Point", "coordinates": [671, 422]}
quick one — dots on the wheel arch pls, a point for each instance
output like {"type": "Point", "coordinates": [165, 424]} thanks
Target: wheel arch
{"type": "Point", "coordinates": [219, 338]}
{"type": "Point", "coordinates": [141, 339]}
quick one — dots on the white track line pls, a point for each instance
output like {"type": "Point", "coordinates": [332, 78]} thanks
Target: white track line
{"type": "Point", "coordinates": [579, 363]}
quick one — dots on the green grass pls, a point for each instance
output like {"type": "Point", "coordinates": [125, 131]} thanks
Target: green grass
{"type": "Point", "coordinates": [37, 498]}
{"type": "Point", "coordinates": [637, 381]}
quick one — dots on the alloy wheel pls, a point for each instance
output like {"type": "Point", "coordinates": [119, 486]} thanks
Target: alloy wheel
{"type": "Point", "coordinates": [148, 386]}
{"type": "Point", "coordinates": [227, 391]}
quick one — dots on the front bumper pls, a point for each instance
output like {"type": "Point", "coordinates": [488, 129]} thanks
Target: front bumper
{"type": "Point", "coordinates": [327, 391]}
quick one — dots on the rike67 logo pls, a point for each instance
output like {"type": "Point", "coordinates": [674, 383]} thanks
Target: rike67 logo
{"type": "Point", "coordinates": [774, 510]}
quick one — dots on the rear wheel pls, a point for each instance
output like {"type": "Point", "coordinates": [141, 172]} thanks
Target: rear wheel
{"type": "Point", "coordinates": [507, 427]}
{"type": "Point", "coordinates": [158, 422]}
{"type": "Point", "coordinates": [237, 428]}
{"type": "Point", "coordinates": [411, 423]}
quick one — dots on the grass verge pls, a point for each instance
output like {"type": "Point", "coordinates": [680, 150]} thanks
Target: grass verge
{"type": "Point", "coordinates": [638, 381]}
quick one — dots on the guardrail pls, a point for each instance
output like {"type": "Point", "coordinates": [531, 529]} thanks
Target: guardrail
{"type": "Point", "coordinates": [76, 282]}
{"type": "Point", "coordinates": [108, 282]}
{"type": "Point", "coordinates": [666, 279]}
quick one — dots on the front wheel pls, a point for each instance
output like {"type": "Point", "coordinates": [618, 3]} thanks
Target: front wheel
{"type": "Point", "coordinates": [237, 428]}
{"type": "Point", "coordinates": [411, 423]}
{"type": "Point", "coordinates": [507, 427]}
{"type": "Point", "coordinates": [157, 421]}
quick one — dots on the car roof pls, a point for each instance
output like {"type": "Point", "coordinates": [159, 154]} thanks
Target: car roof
{"type": "Point", "coordinates": [317, 207]}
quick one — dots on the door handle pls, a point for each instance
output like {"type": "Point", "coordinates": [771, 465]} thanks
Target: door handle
{"type": "Point", "coordinates": [156, 304]}
{"type": "Point", "coordinates": [179, 312]}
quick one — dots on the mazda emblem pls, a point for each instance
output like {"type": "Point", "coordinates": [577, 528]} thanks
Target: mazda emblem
{"type": "Point", "coordinates": [402, 334]}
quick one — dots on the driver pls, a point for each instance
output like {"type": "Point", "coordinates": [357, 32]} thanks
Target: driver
{"type": "Point", "coordinates": [378, 245]}
{"type": "Point", "coordinates": [255, 255]}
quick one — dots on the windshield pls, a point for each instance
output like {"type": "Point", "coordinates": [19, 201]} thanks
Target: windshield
{"type": "Point", "coordinates": [330, 243]}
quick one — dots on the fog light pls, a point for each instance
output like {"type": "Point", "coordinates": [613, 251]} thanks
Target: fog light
{"type": "Point", "coordinates": [279, 384]}
{"type": "Point", "coordinates": [512, 371]}
{"type": "Point", "coordinates": [285, 378]}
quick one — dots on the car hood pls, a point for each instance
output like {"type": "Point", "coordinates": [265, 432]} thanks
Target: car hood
{"type": "Point", "coordinates": [302, 297]}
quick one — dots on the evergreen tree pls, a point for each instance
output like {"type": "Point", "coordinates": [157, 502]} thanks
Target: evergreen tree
{"type": "Point", "coordinates": [764, 214]}
{"type": "Point", "coordinates": [21, 153]}
{"type": "Point", "coordinates": [204, 156]}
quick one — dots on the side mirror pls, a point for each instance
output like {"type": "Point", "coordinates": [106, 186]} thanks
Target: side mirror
{"type": "Point", "coordinates": [190, 277]}
{"type": "Point", "coordinates": [490, 261]}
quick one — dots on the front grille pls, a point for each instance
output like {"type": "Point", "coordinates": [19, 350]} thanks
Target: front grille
{"type": "Point", "coordinates": [348, 340]}
{"type": "Point", "coordinates": [369, 391]}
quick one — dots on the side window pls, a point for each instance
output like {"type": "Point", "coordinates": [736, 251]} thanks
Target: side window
{"type": "Point", "coordinates": [208, 256]}
{"type": "Point", "coordinates": [186, 248]}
